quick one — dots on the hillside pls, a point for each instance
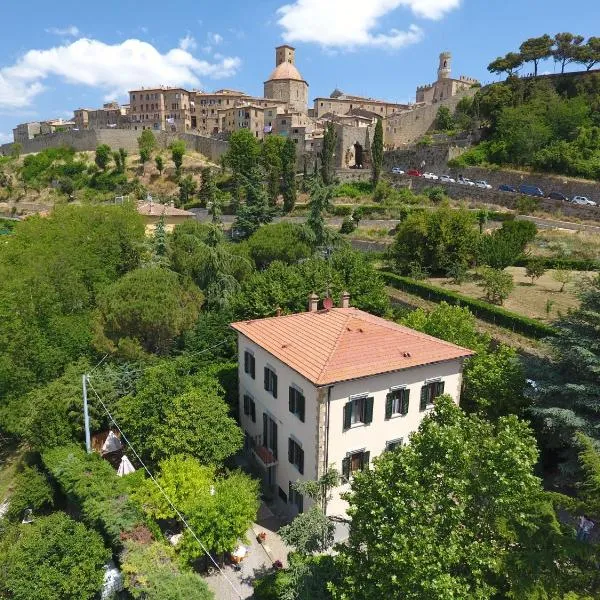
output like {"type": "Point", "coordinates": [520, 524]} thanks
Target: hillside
{"type": "Point", "coordinates": [547, 124]}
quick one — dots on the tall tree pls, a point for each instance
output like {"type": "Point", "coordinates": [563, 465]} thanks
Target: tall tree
{"type": "Point", "coordinates": [566, 48]}
{"type": "Point", "coordinates": [208, 188]}
{"type": "Point", "coordinates": [255, 211]}
{"type": "Point", "coordinates": [535, 50]}
{"type": "Point", "coordinates": [288, 169]}
{"type": "Point", "coordinates": [509, 64]}
{"type": "Point", "coordinates": [103, 156]}
{"type": "Point", "coordinates": [327, 154]}
{"type": "Point", "coordinates": [589, 53]}
{"type": "Point", "coordinates": [177, 152]}
{"type": "Point", "coordinates": [187, 189]}
{"type": "Point", "coordinates": [242, 158]}
{"type": "Point", "coordinates": [457, 513]}
{"type": "Point", "coordinates": [569, 389]}
{"type": "Point", "coordinates": [377, 152]}
{"type": "Point", "coordinates": [319, 204]}
{"type": "Point", "coordinates": [444, 120]}
{"type": "Point", "coordinates": [271, 158]}
{"type": "Point", "coordinates": [147, 143]}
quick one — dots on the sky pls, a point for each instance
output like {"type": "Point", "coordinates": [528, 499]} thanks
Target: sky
{"type": "Point", "coordinates": [61, 55]}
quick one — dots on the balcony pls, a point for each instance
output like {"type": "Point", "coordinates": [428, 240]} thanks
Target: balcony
{"type": "Point", "coordinates": [263, 454]}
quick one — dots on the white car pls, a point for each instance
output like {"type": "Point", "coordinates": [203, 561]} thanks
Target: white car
{"type": "Point", "coordinates": [583, 201]}
{"type": "Point", "coordinates": [465, 181]}
{"type": "Point", "coordinates": [446, 179]}
{"type": "Point", "coordinates": [483, 185]}
{"type": "Point", "coordinates": [397, 171]}
{"type": "Point", "coordinates": [430, 176]}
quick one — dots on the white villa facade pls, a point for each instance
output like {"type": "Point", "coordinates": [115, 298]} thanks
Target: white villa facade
{"type": "Point", "coordinates": [335, 388]}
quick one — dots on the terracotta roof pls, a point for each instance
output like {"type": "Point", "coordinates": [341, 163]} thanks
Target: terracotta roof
{"type": "Point", "coordinates": [285, 70]}
{"type": "Point", "coordinates": [335, 345]}
{"type": "Point", "coordinates": [157, 209]}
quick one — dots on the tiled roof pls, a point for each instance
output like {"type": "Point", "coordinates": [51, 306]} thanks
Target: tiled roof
{"type": "Point", "coordinates": [285, 70]}
{"type": "Point", "coordinates": [340, 344]}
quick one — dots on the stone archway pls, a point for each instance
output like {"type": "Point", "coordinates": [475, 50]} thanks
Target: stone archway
{"type": "Point", "coordinates": [358, 154]}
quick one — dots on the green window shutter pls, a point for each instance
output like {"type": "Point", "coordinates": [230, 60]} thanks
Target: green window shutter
{"type": "Point", "coordinates": [424, 395]}
{"type": "Point", "coordinates": [347, 415]}
{"type": "Point", "coordinates": [369, 410]}
{"type": "Point", "coordinates": [301, 405]}
{"type": "Point", "coordinates": [274, 438]}
{"type": "Point", "coordinates": [291, 451]}
{"type": "Point", "coordinates": [265, 429]}
{"type": "Point", "coordinates": [346, 467]}
{"type": "Point", "coordinates": [404, 402]}
{"type": "Point", "coordinates": [440, 389]}
{"type": "Point", "coordinates": [252, 366]}
{"type": "Point", "coordinates": [388, 405]}
{"type": "Point", "coordinates": [274, 379]}
{"type": "Point", "coordinates": [246, 362]}
{"type": "Point", "coordinates": [300, 464]}
{"type": "Point", "coordinates": [253, 410]}
{"type": "Point", "coordinates": [365, 459]}
{"type": "Point", "coordinates": [266, 378]}
{"type": "Point", "coordinates": [291, 400]}
{"type": "Point", "coordinates": [246, 405]}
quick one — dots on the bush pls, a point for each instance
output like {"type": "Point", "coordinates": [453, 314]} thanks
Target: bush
{"type": "Point", "coordinates": [527, 204]}
{"type": "Point", "coordinates": [343, 210]}
{"type": "Point", "coordinates": [32, 490]}
{"type": "Point", "coordinates": [347, 226]}
{"type": "Point", "coordinates": [487, 312]}
{"type": "Point", "coordinates": [571, 264]}
{"type": "Point", "coordinates": [278, 241]}
{"type": "Point", "coordinates": [435, 193]}
{"type": "Point", "coordinates": [354, 189]}
{"type": "Point", "coordinates": [497, 284]}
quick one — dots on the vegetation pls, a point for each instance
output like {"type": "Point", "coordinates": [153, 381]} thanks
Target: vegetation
{"type": "Point", "coordinates": [496, 284]}
{"type": "Point", "coordinates": [177, 152]}
{"type": "Point", "coordinates": [53, 558]}
{"type": "Point", "coordinates": [327, 153]}
{"type": "Point", "coordinates": [377, 152]}
{"type": "Point", "coordinates": [283, 241]}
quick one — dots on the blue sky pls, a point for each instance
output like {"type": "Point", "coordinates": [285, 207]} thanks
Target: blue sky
{"type": "Point", "coordinates": [57, 56]}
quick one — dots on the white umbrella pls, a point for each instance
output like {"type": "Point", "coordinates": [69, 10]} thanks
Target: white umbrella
{"type": "Point", "coordinates": [112, 444]}
{"type": "Point", "coordinates": [125, 468]}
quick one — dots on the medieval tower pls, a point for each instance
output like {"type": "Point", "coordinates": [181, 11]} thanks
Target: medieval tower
{"type": "Point", "coordinates": [285, 82]}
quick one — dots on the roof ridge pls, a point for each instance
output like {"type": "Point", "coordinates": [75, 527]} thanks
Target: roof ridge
{"type": "Point", "coordinates": [347, 317]}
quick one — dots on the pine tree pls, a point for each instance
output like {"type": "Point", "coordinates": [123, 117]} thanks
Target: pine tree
{"type": "Point", "coordinates": [377, 152]}
{"type": "Point", "coordinates": [569, 392]}
{"type": "Point", "coordinates": [328, 153]}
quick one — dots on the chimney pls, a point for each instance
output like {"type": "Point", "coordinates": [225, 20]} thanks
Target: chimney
{"type": "Point", "coordinates": [345, 300]}
{"type": "Point", "coordinates": [313, 303]}
{"type": "Point", "coordinates": [278, 311]}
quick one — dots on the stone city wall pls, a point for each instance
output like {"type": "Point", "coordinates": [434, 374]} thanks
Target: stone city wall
{"type": "Point", "coordinates": [407, 127]}
{"type": "Point", "coordinates": [88, 140]}
{"type": "Point", "coordinates": [435, 157]}
{"type": "Point", "coordinates": [494, 196]}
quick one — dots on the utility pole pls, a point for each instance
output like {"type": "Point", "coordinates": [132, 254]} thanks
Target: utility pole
{"type": "Point", "coordinates": [86, 416]}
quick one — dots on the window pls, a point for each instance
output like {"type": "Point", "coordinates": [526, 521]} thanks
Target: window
{"type": "Point", "coordinates": [297, 403]}
{"type": "Point", "coordinates": [358, 410]}
{"type": "Point", "coordinates": [393, 444]}
{"type": "Point", "coordinates": [271, 382]}
{"type": "Point", "coordinates": [354, 462]}
{"type": "Point", "coordinates": [429, 392]}
{"type": "Point", "coordinates": [249, 408]}
{"type": "Point", "coordinates": [396, 403]}
{"type": "Point", "coordinates": [296, 498]}
{"type": "Point", "coordinates": [296, 455]}
{"type": "Point", "coordinates": [282, 494]}
{"type": "Point", "coordinates": [270, 434]}
{"type": "Point", "coordinates": [249, 364]}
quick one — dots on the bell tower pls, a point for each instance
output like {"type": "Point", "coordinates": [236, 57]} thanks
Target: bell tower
{"type": "Point", "coordinates": [444, 69]}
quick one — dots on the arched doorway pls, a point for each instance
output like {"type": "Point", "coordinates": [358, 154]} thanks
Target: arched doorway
{"type": "Point", "coordinates": [358, 155]}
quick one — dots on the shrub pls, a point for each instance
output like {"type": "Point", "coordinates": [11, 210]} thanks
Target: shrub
{"type": "Point", "coordinates": [32, 490]}
{"type": "Point", "coordinates": [497, 284]}
{"type": "Point", "coordinates": [487, 312]}
{"type": "Point", "coordinates": [535, 269]}
{"type": "Point", "coordinates": [278, 241]}
{"type": "Point", "coordinates": [527, 204]}
{"type": "Point", "coordinates": [347, 226]}
{"type": "Point", "coordinates": [435, 193]}
{"type": "Point", "coordinates": [342, 210]}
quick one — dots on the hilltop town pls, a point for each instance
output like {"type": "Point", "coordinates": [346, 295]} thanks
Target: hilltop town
{"type": "Point", "coordinates": [282, 110]}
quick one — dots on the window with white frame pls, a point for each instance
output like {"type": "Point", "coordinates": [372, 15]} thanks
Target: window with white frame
{"type": "Point", "coordinates": [429, 392]}
{"type": "Point", "coordinates": [297, 403]}
{"type": "Point", "coordinates": [271, 381]}
{"type": "Point", "coordinates": [249, 364]}
{"type": "Point", "coordinates": [250, 407]}
{"type": "Point", "coordinates": [296, 455]}
{"type": "Point", "coordinates": [358, 410]}
{"type": "Point", "coordinates": [393, 444]}
{"type": "Point", "coordinates": [355, 461]}
{"type": "Point", "coordinates": [396, 403]}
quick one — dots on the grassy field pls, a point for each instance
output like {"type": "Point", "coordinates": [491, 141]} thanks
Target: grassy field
{"type": "Point", "coordinates": [531, 300]}
{"type": "Point", "coordinates": [566, 243]}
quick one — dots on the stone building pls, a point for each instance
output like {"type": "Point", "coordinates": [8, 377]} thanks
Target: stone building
{"type": "Point", "coordinates": [249, 116]}
{"type": "Point", "coordinates": [55, 125]}
{"type": "Point", "coordinates": [112, 115]}
{"type": "Point", "coordinates": [445, 87]}
{"type": "Point", "coordinates": [161, 109]}
{"type": "Point", "coordinates": [205, 107]}
{"type": "Point", "coordinates": [26, 131]}
{"type": "Point", "coordinates": [285, 82]}
{"type": "Point", "coordinates": [339, 103]}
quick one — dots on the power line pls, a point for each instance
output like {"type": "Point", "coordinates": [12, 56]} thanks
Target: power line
{"type": "Point", "coordinates": [162, 491]}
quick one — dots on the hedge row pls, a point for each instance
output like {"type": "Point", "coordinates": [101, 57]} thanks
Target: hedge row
{"type": "Point", "coordinates": [487, 312]}
{"type": "Point", "coordinates": [572, 264]}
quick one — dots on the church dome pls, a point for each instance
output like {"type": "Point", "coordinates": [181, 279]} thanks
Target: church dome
{"type": "Point", "coordinates": [285, 70]}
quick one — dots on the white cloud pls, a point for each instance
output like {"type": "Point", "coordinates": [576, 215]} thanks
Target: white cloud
{"type": "Point", "coordinates": [5, 138]}
{"type": "Point", "coordinates": [188, 43]}
{"type": "Point", "coordinates": [70, 30]}
{"type": "Point", "coordinates": [214, 38]}
{"type": "Point", "coordinates": [350, 23]}
{"type": "Point", "coordinates": [114, 68]}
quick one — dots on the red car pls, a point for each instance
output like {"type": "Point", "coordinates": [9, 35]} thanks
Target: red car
{"type": "Point", "coordinates": [414, 173]}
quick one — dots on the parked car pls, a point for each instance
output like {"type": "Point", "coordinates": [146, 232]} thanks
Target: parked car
{"type": "Point", "coordinates": [507, 188]}
{"type": "Point", "coordinates": [446, 179]}
{"type": "Point", "coordinates": [531, 190]}
{"type": "Point", "coordinates": [465, 181]}
{"type": "Point", "coordinates": [558, 196]}
{"type": "Point", "coordinates": [584, 200]}
{"type": "Point", "coordinates": [397, 171]}
{"type": "Point", "coordinates": [414, 173]}
{"type": "Point", "coordinates": [483, 184]}
{"type": "Point", "coordinates": [430, 176]}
